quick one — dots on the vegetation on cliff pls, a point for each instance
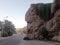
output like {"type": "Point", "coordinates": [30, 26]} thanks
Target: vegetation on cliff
{"type": "Point", "coordinates": [44, 11]}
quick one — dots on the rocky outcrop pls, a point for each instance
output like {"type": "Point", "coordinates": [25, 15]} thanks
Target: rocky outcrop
{"type": "Point", "coordinates": [34, 23]}
{"type": "Point", "coordinates": [53, 26]}
{"type": "Point", "coordinates": [56, 26]}
{"type": "Point", "coordinates": [42, 23]}
{"type": "Point", "coordinates": [55, 6]}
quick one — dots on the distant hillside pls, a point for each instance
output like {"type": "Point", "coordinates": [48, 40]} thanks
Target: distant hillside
{"type": "Point", "coordinates": [18, 30]}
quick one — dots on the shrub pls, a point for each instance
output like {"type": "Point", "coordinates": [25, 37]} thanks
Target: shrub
{"type": "Point", "coordinates": [44, 32]}
{"type": "Point", "coordinates": [4, 34]}
{"type": "Point", "coordinates": [10, 33]}
{"type": "Point", "coordinates": [44, 11]}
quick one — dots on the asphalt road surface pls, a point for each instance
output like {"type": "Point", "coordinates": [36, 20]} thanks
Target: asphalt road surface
{"type": "Point", "coordinates": [12, 40]}
{"type": "Point", "coordinates": [17, 39]}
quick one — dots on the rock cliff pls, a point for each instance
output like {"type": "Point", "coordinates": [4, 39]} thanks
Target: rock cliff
{"type": "Point", "coordinates": [43, 21]}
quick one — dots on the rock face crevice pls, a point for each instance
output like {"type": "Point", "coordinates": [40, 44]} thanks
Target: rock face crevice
{"type": "Point", "coordinates": [43, 21]}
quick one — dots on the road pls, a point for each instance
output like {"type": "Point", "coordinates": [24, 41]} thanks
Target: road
{"type": "Point", "coordinates": [12, 40]}
{"type": "Point", "coordinates": [17, 39]}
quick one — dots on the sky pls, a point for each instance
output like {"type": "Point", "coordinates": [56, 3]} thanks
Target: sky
{"type": "Point", "coordinates": [15, 10]}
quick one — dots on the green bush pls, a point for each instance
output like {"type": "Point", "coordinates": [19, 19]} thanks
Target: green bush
{"type": "Point", "coordinates": [44, 11]}
{"type": "Point", "coordinates": [44, 32]}
{"type": "Point", "coordinates": [10, 33]}
{"type": "Point", "coordinates": [4, 34]}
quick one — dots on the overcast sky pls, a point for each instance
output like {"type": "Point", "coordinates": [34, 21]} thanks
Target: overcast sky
{"type": "Point", "coordinates": [16, 9]}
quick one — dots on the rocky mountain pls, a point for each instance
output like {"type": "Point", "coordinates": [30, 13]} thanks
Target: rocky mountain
{"type": "Point", "coordinates": [43, 21]}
